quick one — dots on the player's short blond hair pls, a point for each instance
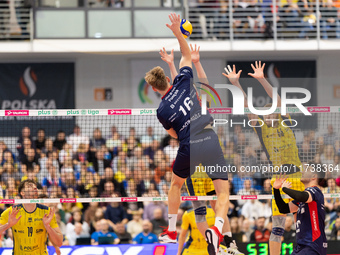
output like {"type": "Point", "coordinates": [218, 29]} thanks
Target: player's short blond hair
{"type": "Point", "coordinates": [156, 78]}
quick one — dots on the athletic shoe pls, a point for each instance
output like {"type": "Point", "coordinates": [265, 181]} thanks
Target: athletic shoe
{"type": "Point", "coordinates": [223, 250]}
{"type": "Point", "coordinates": [168, 236]}
{"type": "Point", "coordinates": [214, 238]}
{"type": "Point", "coordinates": [233, 250]}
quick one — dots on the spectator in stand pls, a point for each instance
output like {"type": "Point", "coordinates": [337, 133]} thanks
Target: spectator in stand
{"type": "Point", "coordinates": [77, 217]}
{"type": "Point", "coordinates": [147, 139]}
{"type": "Point", "coordinates": [267, 190]}
{"type": "Point", "coordinates": [7, 158]}
{"type": "Point", "coordinates": [52, 179]}
{"type": "Point", "coordinates": [9, 171]}
{"type": "Point", "coordinates": [246, 229]}
{"type": "Point", "coordinates": [114, 143]}
{"type": "Point", "coordinates": [158, 221]}
{"type": "Point", "coordinates": [330, 137]}
{"type": "Point", "coordinates": [116, 3]}
{"type": "Point", "coordinates": [80, 157]}
{"type": "Point", "coordinates": [150, 151]}
{"type": "Point", "coordinates": [39, 142]}
{"type": "Point", "coordinates": [30, 158]}
{"type": "Point", "coordinates": [146, 237]}
{"type": "Point", "coordinates": [109, 177]}
{"type": "Point", "coordinates": [246, 190]}
{"type": "Point", "coordinates": [160, 171]}
{"type": "Point", "coordinates": [103, 231]}
{"type": "Point", "coordinates": [48, 147]}
{"type": "Point", "coordinates": [100, 163]}
{"type": "Point", "coordinates": [260, 234]}
{"type": "Point", "coordinates": [90, 211]}
{"type": "Point", "coordinates": [289, 236]}
{"type": "Point", "coordinates": [65, 154]}
{"type": "Point", "coordinates": [255, 20]}
{"type": "Point", "coordinates": [331, 204]}
{"type": "Point", "coordinates": [76, 233]}
{"type": "Point", "coordinates": [98, 215]}
{"type": "Point", "coordinates": [252, 209]}
{"type": "Point", "coordinates": [335, 234]}
{"type": "Point", "coordinates": [165, 182]}
{"type": "Point", "coordinates": [135, 226]}
{"type": "Point", "coordinates": [327, 157]}
{"type": "Point", "coordinates": [25, 133]}
{"type": "Point", "coordinates": [8, 241]}
{"type": "Point", "coordinates": [118, 161]}
{"type": "Point", "coordinates": [152, 206]}
{"type": "Point", "coordinates": [97, 141]}
{"type": "Point", "coordinates": [77, 138]}
{"type": "Point", "coordinates": [237, 234]}
{"type": "Point", "coordinates": [290, 17]}
{"type": "Point", "coordinates": [171, 149]}
{"type": "Point", "coordinates": [144, 185]}
{"type": "Point", "coordinates": [328, 21]}
{"type": "Point", "coordinates": [123, 236]}
{"type": "Point", "coordinates": [115, 213]}
{"type": "Point", "coordinates": [60, 140]}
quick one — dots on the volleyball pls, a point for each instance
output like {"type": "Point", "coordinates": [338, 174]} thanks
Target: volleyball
{"type": "Point", "coordinates": [186, 28]}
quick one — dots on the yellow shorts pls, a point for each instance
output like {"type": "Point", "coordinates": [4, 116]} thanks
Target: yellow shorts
{"type": "Point", "coordinates": [295, 179]}
{"type": "Point", "coordinates": [199, 186]}
{"type": "Point", "coordinates": [188, 251]}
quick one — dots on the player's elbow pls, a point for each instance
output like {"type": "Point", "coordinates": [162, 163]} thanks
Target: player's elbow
{"type": "Point", "coordinates": [284, 210]}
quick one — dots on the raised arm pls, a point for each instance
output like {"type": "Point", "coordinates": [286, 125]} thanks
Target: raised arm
{"type": "Point", "coordinates": [9, 219]}
{"type": "Point", "coordinates": [259, 76]}
{"type": "Point", "coordinates": [195, 57]}
{"type": "Point", "coordinates": [169, 59]}
{"type": "Point", "coordinates": [234, 79]}
{"type": "Point", "coordinates": [175, 28]}
{"type": "Point", "coordinates": [53, 231]}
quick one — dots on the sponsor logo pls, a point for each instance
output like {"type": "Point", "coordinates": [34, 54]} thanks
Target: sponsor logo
{"type": "Point", "coordinates": [92, 112]}
{"type": "Point", "coordinates": [7, 201]}
{"type": "Point", "coordinates": [119, 112]}
{"type": "Point", "coordinates": [146, 111]}
{"type": "Point", "coordinates": [292, 110]}
{"type": "Point", "coordinates": [21, 231]}
{"type": "Point", "coordinates": [319, 109]}
{"type": "Point", "coordinates": [16, 112]}
{"type": "Point", "coordinates": [68, 200]}
{"type": "Point", "coordinates": [334, 195]}
{"type": "Point", "coordinates": [249, 197]}
{"type": "Point", "coordinates": [129, 199]}
{"type": "Point", "coordinates": [156, 199]}
{"type": "Point", "coordinates": [42, 201]}
{"type": "Point", "coordinates": [96, 199]}
{"type": "Point", "coordinates": [54, 112]}
{"type": "Point", "coordinates": [39, 230]}
{"type": "Point", "coordinates": [72, 112]}
{"type": "Point", "coordinates": [221, 110]}
{"type": "Point", "coordinates": [44, 113]}
{"type": "Point", "coordinates": [29, 248]}
{"type": "Point", "coordinates": [34, 201]}
{"type": "Point", "coordinates": [186, 198]}
{"type": "Point", "coordinates": [83, 112]}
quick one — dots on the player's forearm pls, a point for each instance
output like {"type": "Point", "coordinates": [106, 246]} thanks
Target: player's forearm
{"type": "Point", "coordinates": [3, 228]}
{"type": "Point", "coordinates": [269, 89]}
{"type": "Point", "coordinates": [55, 237]}
{"type": "Point", "coordinates": [173, 71]}
{"type": "Point", "coordinates": [281, 205]}
{"type": "Point", "coordinates": [238, 84]}
{"type": "Point", "coordinates": [181, 240]}
{"type": "Point", "coordinates": [203, 79]}
{"type": "Point", "coordinates": [301, 196]}
{"type": "Point", "coordinates": [185, 50]}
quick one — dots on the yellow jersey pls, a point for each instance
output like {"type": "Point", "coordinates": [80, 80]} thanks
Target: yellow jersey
{"type": "Point", "coordinates": [195, 240]}
{"type": "Point", "coordinates": [279, 143]}
{"type": "Point", "coordinates": [199, 183]}
{"type": "Point", "coordinates": [29, 234]}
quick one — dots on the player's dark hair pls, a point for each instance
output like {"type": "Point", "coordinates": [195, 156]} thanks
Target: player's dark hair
{"type": "Point", "coordinates": [22, 185]}
{"type": "Point", "coordinates": [43, 195]}
{"type": "Point", "coordinates": [320, 174]}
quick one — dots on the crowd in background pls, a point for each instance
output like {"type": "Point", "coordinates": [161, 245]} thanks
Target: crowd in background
{"type": "Point", "coordinates": [127, 164]}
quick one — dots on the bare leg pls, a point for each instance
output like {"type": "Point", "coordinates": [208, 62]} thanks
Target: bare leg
{"type": "Point", "coordinates": [174, 196]}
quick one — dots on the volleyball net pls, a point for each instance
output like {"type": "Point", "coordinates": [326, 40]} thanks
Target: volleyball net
{"type": "Point", "coordinates": [125, 155]}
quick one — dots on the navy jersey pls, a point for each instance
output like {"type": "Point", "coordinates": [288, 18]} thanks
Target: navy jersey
{"type": "Point", "coordinates": [180, 107]}
{"type": "Point", "coordinates": [310, 222]}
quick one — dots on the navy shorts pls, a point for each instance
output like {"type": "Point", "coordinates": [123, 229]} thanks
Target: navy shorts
{"type": "Point", "coordinates": [204, 148]}
{"type": "Point", "coordinates": [307, 250]}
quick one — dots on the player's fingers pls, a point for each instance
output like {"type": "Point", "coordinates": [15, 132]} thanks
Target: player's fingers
{"type": "Point", "coordinates": [263, 65]}
{"type": "Point", "coordinates": [252, 66]}
{"type": "Point", "coordinates": [191, 48]}
{"type": "Point", "coordinates": [256, 64]}
{"type": "Point", "coordinates": [179, 17]}
{"type": "Point", "coordinates": [260, 63]}
{"type": "Point", "coordinates": [198, 48]}
{"type": "Point", "coordinates": [167, 25]}
{"type": "Point", "coordinates": [172, 51]}
{"type": "Point", "coordinates": [225, 75]}
{"type": "Point", "coordinates": [229, 68]}
{"type": "Point", "coordinates": [251, 74]}
{"type": "Point", "coordinates": [239, 72]}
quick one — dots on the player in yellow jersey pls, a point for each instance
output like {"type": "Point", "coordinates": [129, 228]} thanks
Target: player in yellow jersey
{"type": "Point", "coordinates": [31, 223]}
{"type": "Point", "coordinates": [278, 142]}
{"type": "Point", "coordinates": [196, 243]}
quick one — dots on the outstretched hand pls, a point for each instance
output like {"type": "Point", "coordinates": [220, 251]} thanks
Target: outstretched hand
{"type": "Point", "coordinates": [12, 219]}
{"type": "Point", "coordinates": [168, 58]}
{"type": "Point", "coordinates": [258, 70]}
{"type": "Point", "coordinates": [231, 74]}
{"type": "Point", "coordinates": [175, 23]}
{"type": "Point", "coordinates": [279, 181]}
{"type": "Point", "coordinates": [48, 217]}
{"type": "Point", "coordinates": [195, 53]}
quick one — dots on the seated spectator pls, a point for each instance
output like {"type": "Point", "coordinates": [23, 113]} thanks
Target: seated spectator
{"type": "Point", "coordinates": [39, 142]}
{"type": "Point", "coordinates": [165, 181]}
{"type": "Point", "coordinates": [97, 141]}
{"type": "Point", "coordinates": [289, 236]}
{"type": "Point", "coordinates": [237, 234]}
{"type": "Point", "coordinates": [77, 218]}
{"type": "Point", "coordinates": [134, 227]}
{"type": "Point", "coordinates": [246, 229]}
{"type": "Point", "coordinates": [145, 183]}
{"type": "Point", "coordinates": [52, 178]}
{"type": "Point", "coordinates": [327, 157]}
{"type": "Point", "coordinates": [160, 171]}
{"type": "Point", "coordinates": [118, 161]}
{"type": "Point", "coordinates": [25, 133]}
{"type": "Point", "coordinates": [151, 150]}
{"type": "Point", "coordinates": [9, 171]}
{"type": "Point", "coordinates": [146, 237]}
{"type": "Point", "coordinates": [100, 163]}
{"type": "Point", "coordinates": [255, 19]}
{"type": "Point", "coordinates": [246, 190]}
{"type": "Point", "coordinates": [60, 140]}
{"type": "Point", "coordinates": [80, 157]}
{"type": "Point", "coordinates": [253, 208]}
{"type": "Point", "coordinates": [171, 149]}
{"type": "Point", "coordinates": [158, 221]}
{"type": "Point", "coordinates": [330, 137]}
{"type": "Point", "coordinates": [151, 207]}
{"type": "Point", "coordinates": [147, 139]}
{"type": "Point", "coordinates": [109, 177]}
{"type": "Point", "coordinates": [335, 234]}
{"type": "Point", "coordinates": [124, 237]}
{"type": "Point", "coordinates": [103, 231]}
{"type": "Point", "coordinates": [260, 234]}
{"type": "Point", "coordinates": [76, 233]}
{"type": "Point", "coordinates": [331, 204]}
{"type": "Point", "coordinates": [115, 213]}
{"type": "Point", "coordinates": [98, 215]}
{"type": "Point", "coordinates": [77, 138]}
{"type": "Point", "coordinates": [8, 241]}
{"type": "Point", "coordinates": [30, 158]}
{"type": "Point", "coordinates": [89, 213]}
{"type": "Point", "coordinates": [66, 154]}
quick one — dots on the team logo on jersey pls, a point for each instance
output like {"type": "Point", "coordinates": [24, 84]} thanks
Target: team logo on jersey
{"type": "Point", "coordinates": [29, 219]}
{"type": "Point", "coordinates": [39, 230]}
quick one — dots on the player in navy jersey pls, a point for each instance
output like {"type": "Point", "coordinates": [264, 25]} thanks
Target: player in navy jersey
{"type": "Point", "coordinates": [180, 114]}
{"type": "Point", "coordinates": [309, 205]}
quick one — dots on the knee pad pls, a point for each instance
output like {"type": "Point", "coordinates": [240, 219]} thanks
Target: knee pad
{"type": "Point", "coordinates": [200, 210]}
{"type": "Point", "coordinates": [278, 228]}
